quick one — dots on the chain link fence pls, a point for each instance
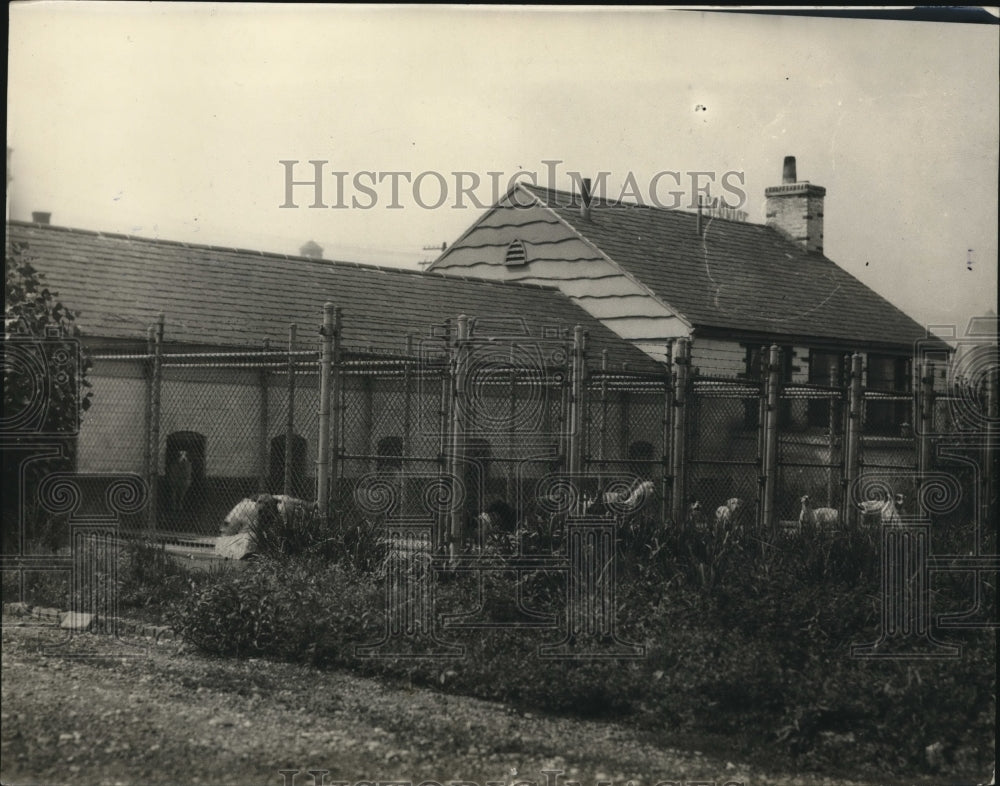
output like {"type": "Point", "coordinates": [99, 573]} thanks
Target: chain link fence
{"type": "Point", "coordinates": [723, 439]}
{"type": "Point", "coordinates": [205, 429]}
{"type": "Point", "coordinates": [626, 433]}
{"type": "Point", "coordinates": [810, 460]}
{"type": "Point", "coordinates": [489, 416]}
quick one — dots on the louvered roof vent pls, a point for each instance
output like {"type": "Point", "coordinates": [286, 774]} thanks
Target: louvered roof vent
{"type": "Point", "coordinates": [516, 254]}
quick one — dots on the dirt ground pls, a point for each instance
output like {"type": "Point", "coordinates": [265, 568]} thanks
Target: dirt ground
{"type": "Point", "coordinates": [87, 709]}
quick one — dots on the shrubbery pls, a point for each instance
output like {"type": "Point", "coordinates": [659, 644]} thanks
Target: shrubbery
{"type": "Point", "coordinates": [301, 532]}
{"type": "Point", "coordinates": [744, 639]}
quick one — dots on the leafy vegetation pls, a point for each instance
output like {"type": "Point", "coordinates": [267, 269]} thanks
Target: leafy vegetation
{"type": "Point", "coordinates": [44, 396]}
{"type": "Point", "coordinates": [745, 639]}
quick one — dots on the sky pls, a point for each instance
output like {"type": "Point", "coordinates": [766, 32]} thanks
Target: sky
{"type": "Point", "coordinates": [171, 120]}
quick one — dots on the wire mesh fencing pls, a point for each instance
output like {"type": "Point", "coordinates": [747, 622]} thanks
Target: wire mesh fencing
{"type": "Point", "coordinates": [490, 417]}
{"type": "Point", "coordinates": [810, 458]}
{"type": "Point", "coordinates": [626, 434]}
{"type": "Point", "coordinates": [205, 429]}
{"type": "Point", "coordinates": [723, 446]}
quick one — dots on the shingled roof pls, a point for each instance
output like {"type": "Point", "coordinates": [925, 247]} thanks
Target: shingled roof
{"type": "Point", "coordinates": [225, 297]}
{"type": "Point", "coordinates": [737, 276]}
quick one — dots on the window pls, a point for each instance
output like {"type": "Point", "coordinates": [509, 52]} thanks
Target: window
{"type": "Point", "coordinates": [888, 374]}
{"type": "Point", "coordinates": [825, 368]}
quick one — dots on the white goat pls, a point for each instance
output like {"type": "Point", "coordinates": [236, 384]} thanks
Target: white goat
{"type": "Point", "coordinates": [639, 496]}
{"type": "Point", "coordinates": [626, 501]}
{"type": "Point", "coordinates": [696, 517]}
{"type": "Point", "coordinates": [887, 510]}
{"type": "Point", "coordinates": [725, 514]}
{"type": "Point", "coordinates": [246, 512]}
{"type": "Point", "coordinates": [817, 517]}
{"type": "Point", "coordinates": [236, 533]}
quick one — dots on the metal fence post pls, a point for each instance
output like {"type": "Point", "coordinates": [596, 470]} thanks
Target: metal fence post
{"type": "Point", "coordinates": [603, 446]}
{"type": "Point", "coordinates": [512, 491]}
{"type": "Point", "coordinates": [682, 361]}
{"type": "Point", "coordinates": [771, 438]}
{"type": "Point", "coordinates": [445, 403]}
{"type": "Point", "coordinates": [407, 446]}
{"type": "Point", "coordinates": [667, 426]}
{"type": "Point", "coordinates": [154, 424]}
{"type": "Point", "coordinates": [336, 405]}
{"type": "Point", "coordinates": [323, 438]}
{"type": "Point", "coordinates": [575, 404]}
{"type": "Point", "coordinates": [834, 459]}
{"type": "Point", "coordinates": [290, 423]}
{"type": "Point", "coordinates": [925, 412]}
{"type": "Point", "coordinates": [147, 430]}
{"type": "Point", "coordinates": [761, 376]}
{"type": "Point", "coordinates": [458, 436]}
{"type": "Point", "coordinates": [854, 425]}
{"type": "Point", "coordinates": [263, 426]}
{"type": "Point", "coordinates": [990, 448]}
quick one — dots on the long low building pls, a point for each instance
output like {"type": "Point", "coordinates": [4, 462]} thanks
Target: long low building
{"type": "Point", "coordinates": [230, 418]}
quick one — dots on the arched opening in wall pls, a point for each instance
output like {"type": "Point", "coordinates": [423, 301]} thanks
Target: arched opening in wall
{"type": "Point", "coordinates": [276, 476]}
{"type": "Point", "coordinates": [184, 473]}
{"type": "Point", "coordinates": [641, 455]}
{"type": "Point", "coordinates": [389, 454]}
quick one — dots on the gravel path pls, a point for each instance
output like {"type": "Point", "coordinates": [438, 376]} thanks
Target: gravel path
{"type": "Point", "coordinates": [137, 712]}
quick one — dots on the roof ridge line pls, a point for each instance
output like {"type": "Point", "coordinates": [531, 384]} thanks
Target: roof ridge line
{"type": "Point", "coordinates": [276, 255]}
{"type": "Point", "coordinates": [637, 205]}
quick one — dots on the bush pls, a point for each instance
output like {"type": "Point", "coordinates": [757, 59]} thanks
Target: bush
{"type": "Point", "coordinates": [303, 532]}
{"type": "Point", "coordinates": [149, 579]}
{"type": "Point", "coordinates": [34, 314]}
{"type": "Point", "coordinates": [40, 588]}
{"type": "Point", "coordinates": [288, 609]}
{"type": "Point", "coordinates": [759, 653]}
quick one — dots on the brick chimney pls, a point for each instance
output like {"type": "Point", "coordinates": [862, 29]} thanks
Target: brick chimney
{"type": "Point", "coordinates": [796, 209]}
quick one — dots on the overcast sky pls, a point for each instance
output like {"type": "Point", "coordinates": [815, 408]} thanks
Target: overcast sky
{"type": "Point", "coordinates": [170, 120]}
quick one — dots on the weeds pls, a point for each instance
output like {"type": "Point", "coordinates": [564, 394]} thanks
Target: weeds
{"type": "Point", "coordinates": [745, 636]}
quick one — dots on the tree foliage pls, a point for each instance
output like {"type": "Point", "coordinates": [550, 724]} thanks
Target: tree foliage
{"type": "Point", "coordinates": [45, 389]}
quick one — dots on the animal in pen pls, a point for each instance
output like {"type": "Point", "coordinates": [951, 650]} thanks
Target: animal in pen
{"type": "Point", "coordinates": [627, 501]}
{"type": "Point", "coordinates": [696, 518]}
{"type": "Point", "coordinates": [817, 518]}
{"type": "Point", "coordinates": [236, 539]}
{"type": "Point", "coordinates": [882, 511]}
{"type": "Point", "coordinates": [178, 480]}
{"type": "Point", "coordinates": [726, 515]}
{"type": "Point", "coordinates": [247, 513]}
